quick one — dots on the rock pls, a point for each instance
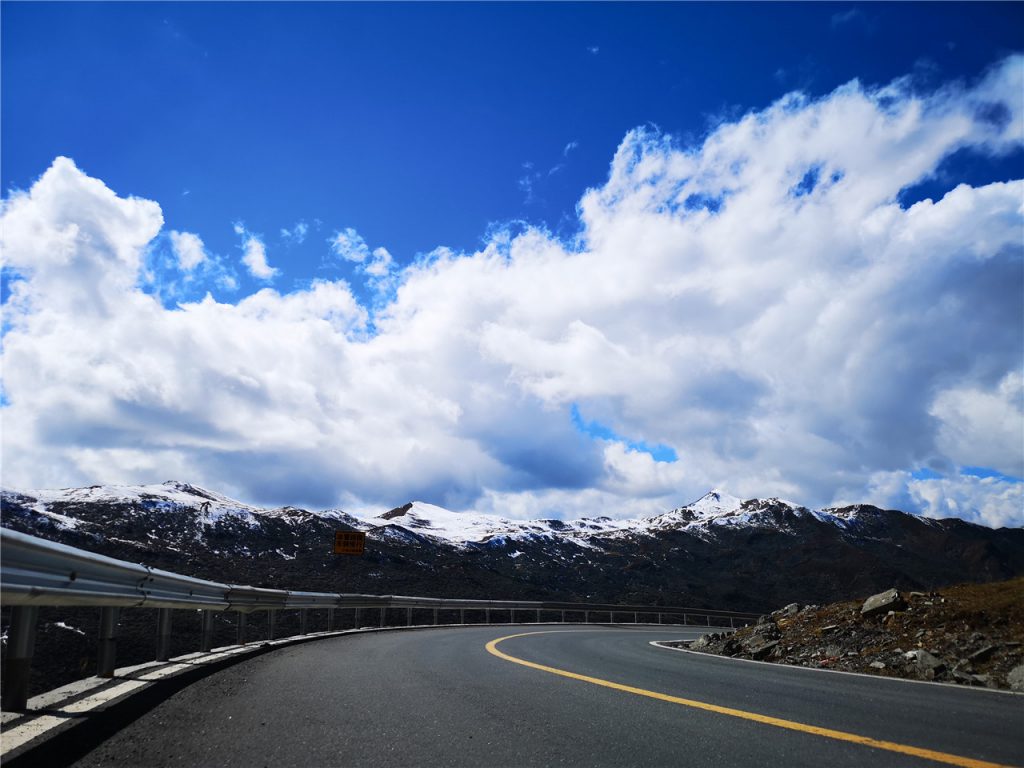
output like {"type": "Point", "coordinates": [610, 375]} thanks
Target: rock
{"type": "Point", "coordinates": [890, 600]}
{"type": "Point", "coordinates": [877, 665]}
{"type": "Point", "coordinates": [982, 653]}
{"type": "Point", "coordinates": [1015, 678]}
{"type": "Point", "coordinates": [701, 642]}
{"type": "Point", "coordinates": [790, 610]}
{"type": "Point", "coordinates": [763, 650]}
{"type": "Point", "coordinates": [928, 661]}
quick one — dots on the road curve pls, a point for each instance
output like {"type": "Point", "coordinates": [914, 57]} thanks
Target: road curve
{"type": "Point", "coordinates": [439, 697]}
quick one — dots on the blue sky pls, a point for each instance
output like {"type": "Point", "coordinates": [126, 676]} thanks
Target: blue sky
{"type": "Point", "coordinates": [263, 131]}
{"type": "Point", "coordinates": [414, 123]}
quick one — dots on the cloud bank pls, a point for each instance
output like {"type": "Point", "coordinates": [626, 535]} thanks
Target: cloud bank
{"type": "Point", "coordinates": [760, 303]}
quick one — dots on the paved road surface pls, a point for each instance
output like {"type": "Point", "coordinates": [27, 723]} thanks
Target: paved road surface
{"type": "Point", "coordinates": [438, 697]}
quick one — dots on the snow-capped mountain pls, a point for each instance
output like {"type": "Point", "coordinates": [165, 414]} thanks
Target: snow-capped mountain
{"type": "Point", "coordinates": [718, 551]}
{"type": "Point", "coordinates": [714, 511]}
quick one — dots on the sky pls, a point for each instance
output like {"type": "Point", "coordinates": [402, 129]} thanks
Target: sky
{"type": "Point", "coordinates": [536, 259]}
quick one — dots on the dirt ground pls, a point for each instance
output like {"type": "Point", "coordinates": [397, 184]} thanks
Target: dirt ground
{"type": "Point", "coordinates": [972, 634]}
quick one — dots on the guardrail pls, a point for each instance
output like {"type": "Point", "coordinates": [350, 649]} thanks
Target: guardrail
{"type": "Point", "coordinates": [35, 572]}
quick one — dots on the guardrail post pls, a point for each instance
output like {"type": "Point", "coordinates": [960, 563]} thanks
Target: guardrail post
{"type": "Point", "coordinates": [206, 643]}
{"type": "Point", "coordinates": [636, 617]}
{"type": "Point", "coordinates": [730, 623]}
{"type": "Point", "coordinates": [563, 617]}
{"type": "Point", "coordinates": [462, 615]}
{"type": "Point", "coordinates": [538, 615]}
{"type": "Point", "coordinates": [302, 621]}
{"type": "Point", "coordinates": [163, 634]}
{"type": "Point", "coordinates": [18, 666]}
{"type": "Point", "coordinates": [586, 617]}
{"type": "Point", "coordinates": [271, 615]}
{"type": "Point", "coordinates": [659, 618]}
{"type": "Point", "coordinates": [435, 617]}
{"type": "Point", "coordinates": [611, 617]}
{"type": "Point", "coordinates": [685, 622]}
{"type": "Point", "coordinates": [242, 621]}
{"type": "Point", "coordinates": [382, 616]}
{"type": "Point", "coordinates": [355, 619]}
{"type": "Point", "coordinates": [107, 651]}
{"type": "Point", "coordinates": [330, 619]}
{"type": "Point", "coordinates": [487, 615]}
{"type": "Point", "coordinates": [408, 617]}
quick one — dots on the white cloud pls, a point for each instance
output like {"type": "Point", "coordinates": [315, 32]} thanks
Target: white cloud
{"type": "Point", "coordinates": [381, 263]}
{"type": "Point", "coordinates": [759, 302]}
{"type": "Point", "coordinates": [349, 245]}
{"type": "Point", "coordinates": [988, 501]}
{"type": "Point", "coordinates": [991, 501]}
{"type": "Point", "coordinates": [984, 427]}
{"type": "Point", "coordinates": [296, 234]}
{"type": "Point", "coordinates": [188, 248]}
{"type": "Point", "coordinates": [378, 264]}
{"type": "Point", "coordinates": [254, 254]}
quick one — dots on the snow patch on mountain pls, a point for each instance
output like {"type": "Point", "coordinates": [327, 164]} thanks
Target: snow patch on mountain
{"type": "Point", "coordinates": [466, 528]}
{"type": "Point", "coordinates": [716, 509]}
{"type": "Point", "coordinates": [170, 496]}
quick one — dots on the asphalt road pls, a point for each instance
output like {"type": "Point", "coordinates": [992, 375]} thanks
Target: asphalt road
{"type": "Point", "coordinates": [439, 697]}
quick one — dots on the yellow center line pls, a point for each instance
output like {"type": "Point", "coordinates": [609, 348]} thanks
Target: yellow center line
{"type": "Point", "coordinates": [927, 754]}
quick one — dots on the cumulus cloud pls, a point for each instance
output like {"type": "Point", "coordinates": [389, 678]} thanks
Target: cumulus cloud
{"type": "Point", "coordinates": [991, 501]}
{"type": "Point", "coordinates": [350, 246]}
{"type": "Point", "coordinates": [760, 302]}
{"type": "Point", "coordinates": [254, 255]}
{"type": "Point", "coordinates": [189, 249]}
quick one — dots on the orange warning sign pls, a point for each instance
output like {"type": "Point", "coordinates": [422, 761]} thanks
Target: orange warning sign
{"type": "Point", "coordinates": [349, 542]}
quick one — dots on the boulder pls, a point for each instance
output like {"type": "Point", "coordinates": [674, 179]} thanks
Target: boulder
{"type": "Point", "coordinates": [790, 610]}
{"type": "Point", "coordinates": [982, 653]}
{"type": "Point", "coordinates": [926, 661]}
{"type": "Point", "coordinates": [883, 602]}
{"type": "Point", "coordinates": [1015, 678]}
{"type": "Point", "coordinates": [763, 650]}
{"type": "Point", "coordinates": [701, 642]}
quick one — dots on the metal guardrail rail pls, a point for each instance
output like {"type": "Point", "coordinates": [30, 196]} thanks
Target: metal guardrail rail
{"type": "Point", "coordinates": [35, 572]}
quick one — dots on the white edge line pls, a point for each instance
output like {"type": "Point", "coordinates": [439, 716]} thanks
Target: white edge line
{"type": "Point", "coordinates": [955, 686]}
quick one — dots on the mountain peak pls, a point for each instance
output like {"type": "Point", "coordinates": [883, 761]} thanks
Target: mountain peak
{"type": "Point", "coordinates": [714, 502]}
{"type": "Point", "coordinates": [391, 514]}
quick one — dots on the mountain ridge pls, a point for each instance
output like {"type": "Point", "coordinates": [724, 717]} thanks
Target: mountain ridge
{"type": "Point", "coordinates": [717, 551]}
